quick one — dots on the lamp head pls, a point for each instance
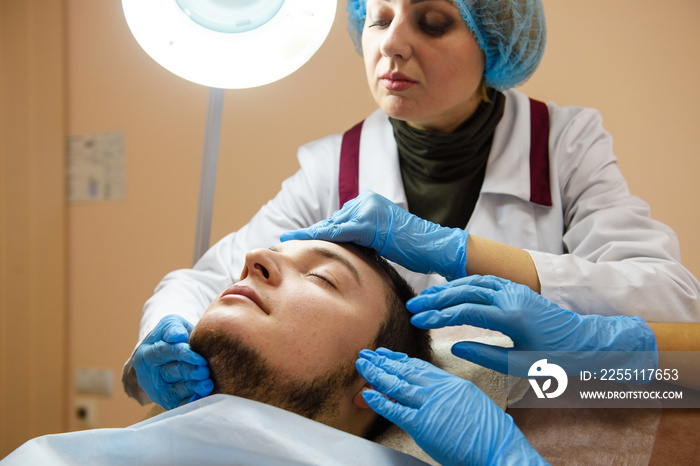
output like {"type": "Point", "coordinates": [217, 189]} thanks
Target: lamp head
{"type": "Point", "coordinates": [230, 44]}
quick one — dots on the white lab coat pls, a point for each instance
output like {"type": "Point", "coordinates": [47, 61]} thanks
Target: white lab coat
{"type": "Point", "coordinates": [596, 249]}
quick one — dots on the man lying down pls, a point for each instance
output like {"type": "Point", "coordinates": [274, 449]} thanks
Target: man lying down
{"type": "Point", "coordinates": [288, 334]}
{"type": "Point", "coordinates": [283, 341]}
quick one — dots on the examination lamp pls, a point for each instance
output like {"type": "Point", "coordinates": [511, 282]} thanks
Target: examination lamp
{"type": "Point", "coordinates": [227, 44]}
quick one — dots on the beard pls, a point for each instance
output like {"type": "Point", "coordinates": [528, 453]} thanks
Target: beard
{"type": "Point", "coordinates": [240, 370]}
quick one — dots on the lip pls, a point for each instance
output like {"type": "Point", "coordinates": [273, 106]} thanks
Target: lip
{"type": "Point", "coordinates": [245, 292]}
{"type": "Point", "coordinates": [397, 81]}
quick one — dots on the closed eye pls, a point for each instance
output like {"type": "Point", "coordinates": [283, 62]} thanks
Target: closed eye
{"type": "Point", "coordinates": [379, 24]}
{"type": "Point", "coordinates": [435, 29]}
{"type": "Point", "coordinates": [435, 22]}
{"type": "Point", "coordinates": [322, 278]}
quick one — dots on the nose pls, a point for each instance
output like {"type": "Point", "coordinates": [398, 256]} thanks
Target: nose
{"type": "Point", "coordinates": [396, 43]}
{"type": "Point", "coordinates": [263, 265]}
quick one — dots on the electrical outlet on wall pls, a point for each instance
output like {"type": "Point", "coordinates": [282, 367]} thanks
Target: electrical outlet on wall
{"type": "Point", "coordinates": [86, 413]}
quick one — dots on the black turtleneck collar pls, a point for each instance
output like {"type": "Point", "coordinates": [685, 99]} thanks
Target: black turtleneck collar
{"type": "Point", "coordinates": [443, 172]}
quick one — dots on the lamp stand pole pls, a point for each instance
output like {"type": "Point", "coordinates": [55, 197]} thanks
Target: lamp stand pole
{"type": "Point", "coordinates": [207, 182]}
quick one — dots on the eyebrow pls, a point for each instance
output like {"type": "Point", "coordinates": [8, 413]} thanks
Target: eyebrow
{"type": "Point", "coordinates": [334, 256]}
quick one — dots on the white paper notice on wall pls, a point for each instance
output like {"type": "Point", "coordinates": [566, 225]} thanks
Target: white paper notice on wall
{"type": "Point", "coordinates": [96, 167]}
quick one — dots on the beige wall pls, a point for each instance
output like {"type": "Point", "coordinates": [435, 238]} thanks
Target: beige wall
{"type": "Point", "coordinates": [635, 62]}
{"type": "Point", "coordinates": [33, 308]}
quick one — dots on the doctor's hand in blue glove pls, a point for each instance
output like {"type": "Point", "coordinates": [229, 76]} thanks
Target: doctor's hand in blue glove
{"type": "Point", "coordinates": [167, 369]}
{"type": "Point", "coordinates": [533, 323]}
{"type": "Point", "coordinates": [448, 417]}
{"type": "Point", "coordinates": [410, 241]}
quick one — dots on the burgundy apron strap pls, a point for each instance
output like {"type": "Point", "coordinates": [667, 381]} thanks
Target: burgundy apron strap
{"type": "Point", "coordinates": [540, 192]}
{"type": "Point", "coordinates": [348, 177]}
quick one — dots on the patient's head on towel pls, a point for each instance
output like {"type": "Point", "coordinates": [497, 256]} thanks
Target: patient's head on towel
{"type": "Point", "coordinates": [289, 332]}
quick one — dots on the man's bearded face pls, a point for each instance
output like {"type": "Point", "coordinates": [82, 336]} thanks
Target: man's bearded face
{"type": "Point", "coordinates": [240, 370]}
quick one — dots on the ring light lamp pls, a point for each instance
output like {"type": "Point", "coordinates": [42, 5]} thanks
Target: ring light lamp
{"type": "Point", "coordinates": [227, 44]}
{"type": "Point", "coordinates": [230, 44]}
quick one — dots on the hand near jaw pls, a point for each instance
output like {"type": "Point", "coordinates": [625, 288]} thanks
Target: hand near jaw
{"type": "Point", "coordinates": [373, 221]}
{"type": "Point", "coordinates": [448, 417]}
{"type": "Point", "coordinates": [167, 369]}
{"type": "Point", "coordinates": [534, 324]}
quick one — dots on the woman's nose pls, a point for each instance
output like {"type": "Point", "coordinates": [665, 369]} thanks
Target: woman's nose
{"type": "Point", "coordinates": [396, 43]}
{"type": "Point", "coordinates": [263, 265]}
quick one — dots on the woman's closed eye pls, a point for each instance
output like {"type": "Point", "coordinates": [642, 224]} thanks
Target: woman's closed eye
{"type": "Point", "coordinates": [379, 16]}
{"type": "Point", "coordinates": [378, 21]}
{"type": "Point", "coordinates": [435, 24]}
{"type": "Point", "coordinates": [432, 24]}
{"type": "Point", "coordinates": [379, 24]}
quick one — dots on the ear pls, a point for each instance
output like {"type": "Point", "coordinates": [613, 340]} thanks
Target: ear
{"type": "Point", "coordinates": [358, 400]}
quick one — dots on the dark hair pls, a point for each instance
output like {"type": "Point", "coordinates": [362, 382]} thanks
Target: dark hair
{"type": "Point", "coordinates": [396, 331]}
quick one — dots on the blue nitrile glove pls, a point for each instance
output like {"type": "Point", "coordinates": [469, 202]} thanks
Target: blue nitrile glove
{"type": "Point", "coordinates": [534, 324]}
{"type": "Point", "coordinates": [448, 417]}
{"type": "Point", "coordinates": [167, 369]}
{"type": "Point", "coordinates": [374, 221]}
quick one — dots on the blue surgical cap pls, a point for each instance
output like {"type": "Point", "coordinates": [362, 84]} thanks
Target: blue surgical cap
{"type": "Point", "coordinates": [511, 33]}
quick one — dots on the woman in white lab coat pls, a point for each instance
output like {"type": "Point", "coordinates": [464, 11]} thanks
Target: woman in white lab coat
{"type": "Point", "coordinates": [535, 188]}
